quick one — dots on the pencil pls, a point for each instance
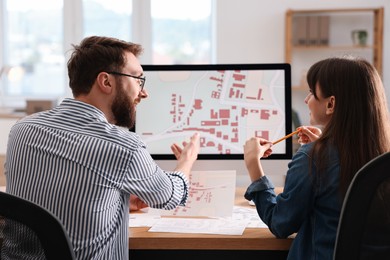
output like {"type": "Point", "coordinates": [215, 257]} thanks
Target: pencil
{"type": "Point", "coordinates": [287, 136]}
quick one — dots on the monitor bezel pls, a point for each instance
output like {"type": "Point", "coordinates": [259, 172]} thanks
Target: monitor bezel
{"type": "Point", "coordinates": [242, 66]}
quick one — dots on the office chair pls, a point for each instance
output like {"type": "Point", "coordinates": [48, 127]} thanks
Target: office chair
{"type": "Point", "coordinates": [364, 226]}
{"type": "Point", "coordinates": [29, 231]}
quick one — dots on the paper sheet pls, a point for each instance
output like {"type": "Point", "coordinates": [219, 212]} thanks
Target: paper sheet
{"type": "Point", "coordinates": [211, 195]}
{"type": "Point", "coordinates": [241, 215]}
{"type": "Point", "coordinates": [142, 220]}
{"type": "Point", "coordinates": [200, 226]}
{"type": "Point", "coordinates": [250, 215]}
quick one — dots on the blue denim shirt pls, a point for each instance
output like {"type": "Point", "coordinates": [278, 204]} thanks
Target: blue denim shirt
{"type": "Point", "coordinates": [309, 205]}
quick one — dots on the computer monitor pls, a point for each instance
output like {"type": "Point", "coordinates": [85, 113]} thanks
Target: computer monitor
{"type": "Point", "coordinates": [226, 103]}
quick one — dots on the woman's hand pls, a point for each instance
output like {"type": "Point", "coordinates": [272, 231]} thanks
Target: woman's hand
{"type": "Point", "coordinates": [308, 134]}
{"type": "Point", "coordinates": [254, 149]}
{"type": "Point", "coordinates": [257, 148]}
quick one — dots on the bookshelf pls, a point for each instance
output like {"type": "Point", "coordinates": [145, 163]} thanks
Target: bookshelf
{"type": "Point", "coordinates": [312, 35]}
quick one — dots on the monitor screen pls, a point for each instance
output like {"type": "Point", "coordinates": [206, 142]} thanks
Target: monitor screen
{"type": "Point", "coordinates": [226, 103]}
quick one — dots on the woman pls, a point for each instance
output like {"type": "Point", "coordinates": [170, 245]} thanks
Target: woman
{"type": "Point", "coordinates": [347, 101]}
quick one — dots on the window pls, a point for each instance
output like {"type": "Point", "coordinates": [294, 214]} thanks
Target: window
{"type": "Point", "coordinates": [108, 18]}
{"type": "Point", "coordinates": [181, 36]}
{"type": "Point", "coordinates": [35, 38]}
{"type": "Point", "coordinates": [34, 48]}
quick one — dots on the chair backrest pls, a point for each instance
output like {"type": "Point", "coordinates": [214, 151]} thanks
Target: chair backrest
{"type": "Point", "coordinates": [364, 226]}
{"type": "Point", "coordinates": [28, 229]}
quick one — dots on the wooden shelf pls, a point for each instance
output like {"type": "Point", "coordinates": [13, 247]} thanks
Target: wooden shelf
{"type": "Point", "coordinates": [292, 50]}
{"type": "Point", "coordinates": [300, 88]}
{"type": "Point", "coordinates": [333, 11]}
{"type": "Point", "coordinates": [11, 113]}
{"type": "Point", "coordinates": [327, 47]}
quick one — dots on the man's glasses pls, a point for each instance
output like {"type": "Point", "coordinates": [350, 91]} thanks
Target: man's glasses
{"type": "Point", "coordinates": [141, 79]}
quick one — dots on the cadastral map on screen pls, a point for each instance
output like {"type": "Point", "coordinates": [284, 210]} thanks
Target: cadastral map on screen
{"type": "Point", "coordinates": [226, 107]}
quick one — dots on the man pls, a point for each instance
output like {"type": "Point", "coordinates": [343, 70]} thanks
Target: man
{"type": "Point", "coordinates": [75, 161]}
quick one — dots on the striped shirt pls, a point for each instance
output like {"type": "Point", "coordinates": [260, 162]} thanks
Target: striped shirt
{"type": "Point", "coordinates": [74, 163]}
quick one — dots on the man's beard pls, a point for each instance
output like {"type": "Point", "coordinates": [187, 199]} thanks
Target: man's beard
{"type": "Point", "coordinates": [123, 108]}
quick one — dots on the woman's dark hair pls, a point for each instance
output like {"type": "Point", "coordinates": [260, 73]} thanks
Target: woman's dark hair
{"type": "Point", "coordinates": [359, 127]}
{"type": "Point", "coordinates": [94, 55]}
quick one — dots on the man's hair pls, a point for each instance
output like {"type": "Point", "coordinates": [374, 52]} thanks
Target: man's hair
{"type": "Point", "coordinates": [359, 127]}
{"type": "Point", "coordinates": [94, 55]}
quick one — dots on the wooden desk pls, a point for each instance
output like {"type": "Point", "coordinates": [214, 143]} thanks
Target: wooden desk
{"type": "Point", "coordinates": [253, 239]}
{"type": "Point", "coordinates": [11, 114]}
